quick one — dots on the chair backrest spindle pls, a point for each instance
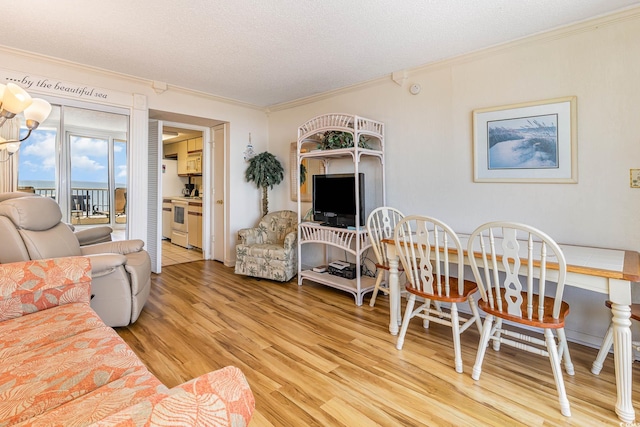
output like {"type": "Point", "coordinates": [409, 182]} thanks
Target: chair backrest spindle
{"type": "Point", "coordinates": [424, 246]}
{"type": "Point", "coordinates": [517, 250]}
{"type": "Point", "coordinates": [380, 225]}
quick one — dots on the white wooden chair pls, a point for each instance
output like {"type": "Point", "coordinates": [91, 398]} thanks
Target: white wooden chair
{"type": "Point", "coordinates": [380, 225]}
{"type": "Point", "coordinates": [514, 259]}
{"type": "Point", "coordinates": [607, 342]}
{"type": "Point", "coordinates": [433, 261]}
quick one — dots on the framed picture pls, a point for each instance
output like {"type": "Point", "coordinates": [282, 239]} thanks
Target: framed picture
{"type": "Point", "coordinates": [312, 166]}
{"type": "Point", "coordinates": [529, 142]}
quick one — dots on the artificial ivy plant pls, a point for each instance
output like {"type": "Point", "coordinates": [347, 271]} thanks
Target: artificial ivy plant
{"type": "Point", "coordinates": [265, 170]}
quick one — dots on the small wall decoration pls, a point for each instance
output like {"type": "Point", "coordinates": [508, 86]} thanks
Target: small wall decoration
{"type": "Point", "coordinates": [634, 178]}
{"type": "Point", "coordinates": [528, 142]}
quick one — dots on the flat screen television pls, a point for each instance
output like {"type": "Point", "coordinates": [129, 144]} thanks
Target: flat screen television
{"type": "Point", "coordinates": [334, 199]}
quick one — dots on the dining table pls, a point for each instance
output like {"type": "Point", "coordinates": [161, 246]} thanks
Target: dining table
{"type": "Point", "coordinates": [607, 271]}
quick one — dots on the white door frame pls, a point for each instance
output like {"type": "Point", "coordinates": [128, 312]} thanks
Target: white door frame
{"type": "Point", "coordinates": [207, 202]}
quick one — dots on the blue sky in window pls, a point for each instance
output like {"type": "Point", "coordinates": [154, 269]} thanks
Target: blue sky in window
{"type": "Point", "coordinates": [88, 162]}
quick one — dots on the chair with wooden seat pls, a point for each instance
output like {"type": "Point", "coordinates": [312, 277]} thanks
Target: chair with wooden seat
{"type": "Point", "coordinates": [516, 266]}
{"type": "Point", "coordinates": [380, 225]}
{"type": "Point", "coordinates": [607, 342]}
{"type": "Point", "coordinates": [433, 261]}
{"type": "Point", "coordinates": [120, 207]}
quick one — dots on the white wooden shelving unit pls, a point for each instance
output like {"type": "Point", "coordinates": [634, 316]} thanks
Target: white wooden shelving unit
{"type": "Point", "coordinates": [356, 241]}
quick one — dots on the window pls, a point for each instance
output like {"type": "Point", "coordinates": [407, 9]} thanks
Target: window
{"type": "Point", "coordinates": [79, 157]}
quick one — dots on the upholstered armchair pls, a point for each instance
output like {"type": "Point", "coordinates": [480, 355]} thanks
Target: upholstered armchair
{"type": "Point", "coordinates": [31, 229]}
{"type": "Point", "coordinates": [269, 250]}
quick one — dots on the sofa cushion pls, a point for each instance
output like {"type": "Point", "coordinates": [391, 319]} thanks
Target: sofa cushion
{"type": "Point", "coordinates": [137, 387]}
{"type": "Point", "coordinates": [37, 285]}
{"type": "Point", "coordinates": [26, 333]}
{"type": "Point", "coordinates": [56, 363]}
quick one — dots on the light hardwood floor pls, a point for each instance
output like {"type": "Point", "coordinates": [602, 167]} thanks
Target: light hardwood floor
{"type": "Point", "coordinates": [313, 358]}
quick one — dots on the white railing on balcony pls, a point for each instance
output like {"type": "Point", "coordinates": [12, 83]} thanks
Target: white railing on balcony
{"type": "Point", "coordinates": [85, 203]}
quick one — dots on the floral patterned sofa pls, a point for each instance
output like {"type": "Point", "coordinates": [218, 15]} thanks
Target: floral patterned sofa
{"type": "Point", "coordinates": [269, 250]}
{"type": "Point", "coordinates": [61, 365]}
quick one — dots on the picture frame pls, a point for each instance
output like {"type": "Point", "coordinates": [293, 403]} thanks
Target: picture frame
{"type": "Point", "coordinates": [313, 167]}
{"type": "Point", "coordinates": [532, 142]}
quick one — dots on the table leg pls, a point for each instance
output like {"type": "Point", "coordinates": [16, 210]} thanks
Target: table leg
{"type": "Point", "coordinates": [623, 359]}
{"type": "Point", "coordinates": [394, 291]}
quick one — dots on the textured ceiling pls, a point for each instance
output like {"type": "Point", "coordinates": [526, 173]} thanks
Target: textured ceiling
{"type": "Point", "coordinates": [266, 52]}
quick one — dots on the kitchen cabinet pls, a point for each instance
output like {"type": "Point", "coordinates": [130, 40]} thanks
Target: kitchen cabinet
{"type": "Point", "coordinates": [182, 158]}
{"type": "Point", "coordinates": [194, 144]}
{"type": "Point", "coordinates": [194, 163]}
{"type": "Point", "coordinates": [194, 214]}
{"type": "Point", "coordinates": [170, 151]}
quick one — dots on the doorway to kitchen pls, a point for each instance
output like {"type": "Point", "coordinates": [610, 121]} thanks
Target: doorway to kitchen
{"type": "Point", "coordinates": [182, 198]}
{"type": "Point", "coordinates": [206, 168]}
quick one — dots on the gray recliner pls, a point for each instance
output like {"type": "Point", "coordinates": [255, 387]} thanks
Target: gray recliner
{"type": "Point", "coordinates": [31, 228]}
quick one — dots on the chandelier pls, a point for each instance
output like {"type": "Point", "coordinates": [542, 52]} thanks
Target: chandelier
{"type": "Point", "coordinates": [15, 100]}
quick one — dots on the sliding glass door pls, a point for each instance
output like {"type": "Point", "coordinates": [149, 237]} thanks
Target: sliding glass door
{"type": "Point", "coordinates": [85, 171]}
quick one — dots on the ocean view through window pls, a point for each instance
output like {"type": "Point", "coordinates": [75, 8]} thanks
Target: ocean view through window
{"type": "Point", "coordinates": [78, 157]}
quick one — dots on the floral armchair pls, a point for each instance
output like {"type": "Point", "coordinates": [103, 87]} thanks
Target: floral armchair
{"type": "Point", "coordinates": [269, 250]}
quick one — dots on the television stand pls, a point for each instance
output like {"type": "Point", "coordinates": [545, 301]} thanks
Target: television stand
{"type": "Point", "coordinates": [348, 243]}
{"type": "Point", "coordinates": [355, 242]}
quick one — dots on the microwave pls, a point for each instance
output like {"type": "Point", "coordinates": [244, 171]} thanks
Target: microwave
{"type": "Point", "coordinates": [194, 163]}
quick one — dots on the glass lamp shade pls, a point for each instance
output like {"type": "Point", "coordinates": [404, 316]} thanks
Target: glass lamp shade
{"type": "Point", "coordinates": [38, 111]}
{"type": "Point", "coordinates": [12, 147]}
{"type": "Point", "coordinates": [15, 99]}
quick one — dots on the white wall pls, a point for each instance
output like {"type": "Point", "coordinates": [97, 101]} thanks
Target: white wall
{"type": "Point", "coordinates": [244, 200]}
{"type": "Point", "coordinates": [429, 158]}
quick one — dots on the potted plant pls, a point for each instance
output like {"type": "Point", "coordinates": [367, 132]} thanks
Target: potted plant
{"type": "Point", "coordinates": [334, 139]}
{"type": "Point", "coordinates": [265, 170]}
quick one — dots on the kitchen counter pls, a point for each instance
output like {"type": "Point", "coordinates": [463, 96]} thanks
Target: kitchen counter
{"type": "Point", "coordinates": [187, 198]}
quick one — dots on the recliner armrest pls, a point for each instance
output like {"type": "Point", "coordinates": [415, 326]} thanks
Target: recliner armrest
{"type": "Point", "coordinates": [116, 247]}
{"type": "Point", "coordinates": [139, 268]}
{"type": "Point", "coordinates": [104, 263]}
{"type": "Point", "coordinates": [93, 235]}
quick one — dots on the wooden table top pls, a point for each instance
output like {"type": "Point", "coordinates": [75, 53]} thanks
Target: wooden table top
{"type": "Point", "coordinates": [601, 262]}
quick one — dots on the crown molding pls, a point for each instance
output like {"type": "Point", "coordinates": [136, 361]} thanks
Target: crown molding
{"type": "Point", "coordinates": [123, 76]}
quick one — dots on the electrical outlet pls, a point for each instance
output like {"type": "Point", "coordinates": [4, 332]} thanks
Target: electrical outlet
{"type": "Point", "coordinates": [635, 178]}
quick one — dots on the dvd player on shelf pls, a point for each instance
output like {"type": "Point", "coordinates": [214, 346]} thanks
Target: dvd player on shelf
{"type": "Point", "coordinates": [343, 269]}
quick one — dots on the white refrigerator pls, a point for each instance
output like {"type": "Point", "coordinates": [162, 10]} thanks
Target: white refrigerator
{"type": "Point", "coordinates": [172, 186]}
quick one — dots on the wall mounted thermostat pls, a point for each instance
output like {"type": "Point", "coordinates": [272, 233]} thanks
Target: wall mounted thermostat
{"type": "Point", "coordinates": [415, 89]}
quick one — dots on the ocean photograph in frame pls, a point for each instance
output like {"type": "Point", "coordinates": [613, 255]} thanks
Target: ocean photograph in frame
{"type": "Point", "coordinates": [527, 142]}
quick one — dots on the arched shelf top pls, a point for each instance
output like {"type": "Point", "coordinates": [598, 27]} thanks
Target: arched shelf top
{"type": "Point", "coordinates": [356, 125]}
